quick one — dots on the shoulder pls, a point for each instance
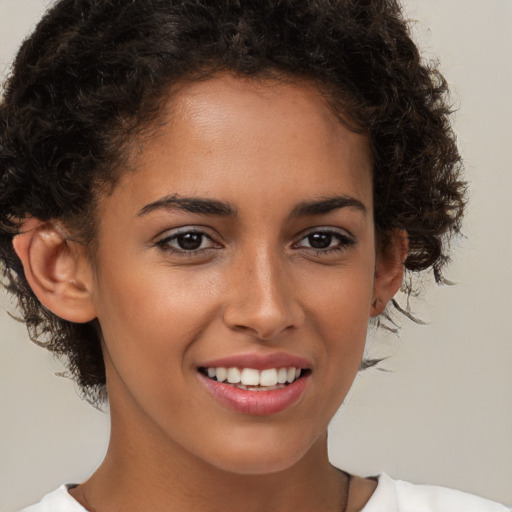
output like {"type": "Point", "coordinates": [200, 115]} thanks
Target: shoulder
{"type": "Point", "coordinates": [57, 501]}
{"type": "Point", "coordinates": [399, 496]}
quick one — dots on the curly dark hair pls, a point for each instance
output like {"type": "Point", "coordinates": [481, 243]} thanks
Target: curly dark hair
{"type": "Point", "coordinates": [94, 74]}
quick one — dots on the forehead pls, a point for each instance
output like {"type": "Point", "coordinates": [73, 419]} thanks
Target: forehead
{"type": "Point", "coordinates": [233, 138]}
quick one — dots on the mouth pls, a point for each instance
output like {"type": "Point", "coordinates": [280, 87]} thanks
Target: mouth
{"type": "Point", "coordinates": [251, 379]}
{"type": "Point", "coordinates": [255, 383]}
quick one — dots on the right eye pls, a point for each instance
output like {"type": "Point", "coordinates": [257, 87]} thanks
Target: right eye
{"type": "Point", "coordinates": [187, 241]}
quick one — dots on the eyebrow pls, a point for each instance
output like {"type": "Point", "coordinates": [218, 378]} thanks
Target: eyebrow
{"type": "Point", "coordinates": [190, 204]}
{"type": "Point", "coordinates": [216, 207]}
{"type": "Point", "coordinates": [327, 205]}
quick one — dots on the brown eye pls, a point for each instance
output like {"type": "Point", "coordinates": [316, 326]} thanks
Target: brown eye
{"type": "Point", "coordinates": [189, 241]}
{"type": "Point", "coordinates": [320, 240]}
{"type": "Point", "coordinates": [325, 241]}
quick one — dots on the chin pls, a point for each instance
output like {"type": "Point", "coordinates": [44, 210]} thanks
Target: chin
{"type": "Point", "coordinates": [263, 456]}
{"type": "Point", "coordinates": [262, 465]}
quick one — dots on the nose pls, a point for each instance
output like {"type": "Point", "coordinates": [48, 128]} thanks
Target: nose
{"type": "Point", "coordinates": [261, 299]}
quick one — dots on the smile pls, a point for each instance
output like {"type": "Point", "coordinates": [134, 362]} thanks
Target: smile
{"type": "Point", "coordinates": [250, 391]}
{"type": "Point", "coordinates": [252, 379]}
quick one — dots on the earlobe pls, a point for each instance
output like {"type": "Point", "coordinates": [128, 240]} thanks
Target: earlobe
{"type": "Point", "coordinates": [389, 270]}
{"type": "Point", "coordinates": [56, 270]}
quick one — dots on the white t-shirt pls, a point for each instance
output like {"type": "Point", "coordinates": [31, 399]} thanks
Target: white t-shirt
{"type": "Point", "coordinates": [390, 496]}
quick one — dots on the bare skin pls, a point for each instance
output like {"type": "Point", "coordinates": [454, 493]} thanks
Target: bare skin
{"type": "Point", "coordinates": [286, 264]}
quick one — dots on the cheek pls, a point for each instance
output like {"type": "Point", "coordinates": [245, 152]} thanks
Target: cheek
{"type": "Point", "coordinates": [151, 317]}
{"type": "Point", "coordinates": [150, 323]}
{"type": "Point", "coordinates": [340, 300]}
{"type": "Point", "coordinates": [338, 309]}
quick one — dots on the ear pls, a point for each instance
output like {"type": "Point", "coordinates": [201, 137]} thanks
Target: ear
{"type": "Point", "coordinates": [389, 270]}
{"type": "Point", "coordinates": [57, 270]}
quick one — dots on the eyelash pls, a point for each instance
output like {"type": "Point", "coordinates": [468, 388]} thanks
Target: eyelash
{"type": "Point", "coordinates": [164, 243]}
{"type": "Point", "coordinates": [344, 241]}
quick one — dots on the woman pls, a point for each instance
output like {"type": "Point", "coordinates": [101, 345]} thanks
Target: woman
{"type": "Point", "coordinates": [203, 204]}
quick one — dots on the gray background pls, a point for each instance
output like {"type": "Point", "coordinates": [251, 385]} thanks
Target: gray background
{"type": "Point", "coordinates": [443, 412]}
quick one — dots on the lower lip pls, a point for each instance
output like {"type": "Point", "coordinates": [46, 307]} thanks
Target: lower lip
{"type": "Point", "coordinates": [257, 403]}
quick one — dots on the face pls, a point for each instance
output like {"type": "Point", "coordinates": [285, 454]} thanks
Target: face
{"type": "Point", "coordinates": [242, 247]}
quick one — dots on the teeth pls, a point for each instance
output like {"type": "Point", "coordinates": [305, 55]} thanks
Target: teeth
{"type": "Point", "coordinates": [221, 374]}
{"type": "Point", "coordinates": [268, 377]}
{"type": "Point", "coordinates": [233, 375]}
{"type": "Point", "coordinates": [249, 378]}
{"type": "Point", "coordinates": [282, 373]}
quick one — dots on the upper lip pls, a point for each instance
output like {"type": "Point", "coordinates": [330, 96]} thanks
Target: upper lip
{"type": "Point", "coordinates": [258, 361]}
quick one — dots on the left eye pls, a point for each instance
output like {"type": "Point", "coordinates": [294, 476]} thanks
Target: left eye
{"type": "Point", "coordinates": [325, 240]}
{"type": "Point", "coordinates": [187, 241]}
